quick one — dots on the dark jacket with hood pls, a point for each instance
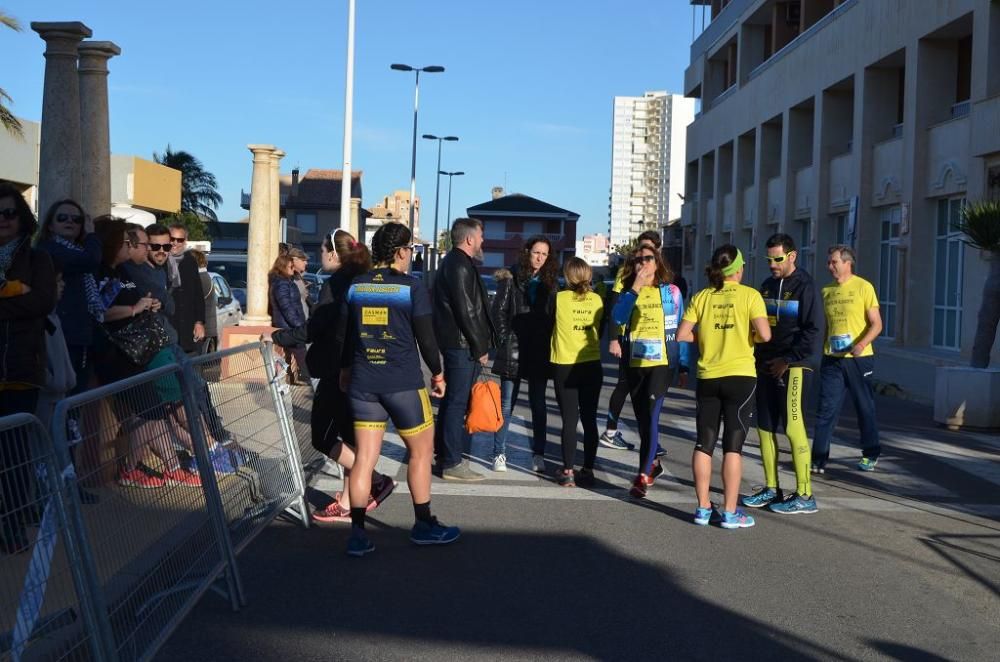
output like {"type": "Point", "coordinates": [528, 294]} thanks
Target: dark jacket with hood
{"type": "Point", "coordinates": [286, 304]}
{"type": "Point", "coordinates": [523, 328]}
{"type": "Point", "coordinates": [793, 311]}
{"type": "Point", "coordinates": [23, 318]}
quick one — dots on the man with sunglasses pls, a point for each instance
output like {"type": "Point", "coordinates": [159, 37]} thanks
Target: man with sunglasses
{"type": "Point", "coordinates": [146, 276]}
{"type": "Point", "coordinates": [185, 287]}
{"type": "Point", "coordinates": [784, 365]}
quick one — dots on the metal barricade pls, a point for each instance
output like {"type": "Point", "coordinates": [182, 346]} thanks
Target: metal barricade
{"type": "Point", "coordinates": [49, 612]}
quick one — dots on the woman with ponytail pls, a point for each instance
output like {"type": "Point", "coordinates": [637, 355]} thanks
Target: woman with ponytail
{"type": "Point", "coordinates": [332, 424]}
{"type": "Point", "coordinates": [730, 318]}
{"type": "Point", "coordinates": [385, 319]}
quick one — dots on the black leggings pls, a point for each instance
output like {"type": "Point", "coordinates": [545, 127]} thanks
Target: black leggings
{"type": "Point", "coordinates": [648, 387]}
{"type": "Point", "coordinates": [578, 389]}
{"type": "Point", "coordinates": [728, 399]}
{"type": "Point", "coordinates": [617, 401]}
{"type": "Point", "coordinates": [331, 419]}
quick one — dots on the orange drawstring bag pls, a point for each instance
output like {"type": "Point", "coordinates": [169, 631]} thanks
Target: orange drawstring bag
{"type": "Point", "coordinates": [484, 413]}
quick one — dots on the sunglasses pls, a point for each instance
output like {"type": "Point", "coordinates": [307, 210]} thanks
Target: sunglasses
{"type": "Point", "coordinates": [8, 214]}
{"type": "Point", "coordinates": [778, 259]}
{"type": "Point", "coordinates": [74, 218]}
{"type": "Point", "coordinates": [177, 240]}
{"type": "Point", "coordinates": [159, 247]}
{"type": "Point", "coordinates": [644, 258]}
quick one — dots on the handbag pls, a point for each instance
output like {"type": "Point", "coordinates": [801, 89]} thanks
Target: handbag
{"type": "Point", "coordinates": [484, 413]}
{"type": "Point", "coordinates": [141, 339]}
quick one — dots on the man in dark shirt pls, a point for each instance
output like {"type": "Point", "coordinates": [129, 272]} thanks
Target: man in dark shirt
{"type": "Point", "coordinates": [185, 287]}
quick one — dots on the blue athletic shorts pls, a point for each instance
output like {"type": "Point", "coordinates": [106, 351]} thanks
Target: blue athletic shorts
{"type": "Point", "coordinates": [410, 411]}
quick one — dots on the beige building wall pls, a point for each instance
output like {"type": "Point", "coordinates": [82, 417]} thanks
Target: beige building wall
{"type": "Point", "coordinates": [886, 107]}
{"type": "Point", "coordinates": [144, 184]}
{"type": "Point", "coordinates": [19, 159]}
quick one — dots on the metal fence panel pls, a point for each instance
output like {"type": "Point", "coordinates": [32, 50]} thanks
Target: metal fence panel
{"type": "Point", "coordinates": [47, 612]}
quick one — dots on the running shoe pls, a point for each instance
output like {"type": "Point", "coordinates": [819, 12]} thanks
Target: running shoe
{"type": "Point", "coordinates": [764, 497]}
{"type": "Point", "coordinates": [640, 486]}
{"type": "Point", "coordinates": [614, 439]}
{"type": "Point", "coordinates": [702, 516]}
{"type": "Point", "coordinates": [182, 477]}
{"type": "Point", "coordinates": [867, 463]}
{"type": "Point", "coordinates": [736, 520]}
{"type": "Point", "coordinates": [382, 487]}
{"type": "Point", "coordinates": [333, 513]}
{"type": "Point", "coordinates": [358, 544]}
{"type": "Point", "coordinates": [221, 461]}
{"type": "Point", "coordinates": [817, 470]}
{"type": "Point", "coordinates": [137, 478]}
{"type": "Point", "coordinates": [500, 463]}
{"type": "Point", "coordinates": [538, 463]}
{"type": "Point", "coordinates": [433, 533]}
{"type": "Point", "coordinates": [796, 505]}
{"type": "Point", "coordinates": [566, 478]}
{"type": "Point", "coordinates": [585, 478]}
{"type": "Point", "coordinates": [656, 472]}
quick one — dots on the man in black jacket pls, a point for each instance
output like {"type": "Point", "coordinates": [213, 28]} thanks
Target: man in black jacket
{"type": "Point", "coordinates": [784, 365]}
{"type": "Point", "coordinates": [185, 287]}
{"type": "Point", "coordinates": [465, 335]}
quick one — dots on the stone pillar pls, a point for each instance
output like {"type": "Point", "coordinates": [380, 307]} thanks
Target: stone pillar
{"type": "Point", "coordinates": [274, 217]}
{"type": "Point", "coordinates": [357, 227]}
{"type": "Point", "coordinates": [95, 135]}
{"type": "Point", "coordinates": [258, 237]}
{"type": "Point", "coordinates": [59, 161]}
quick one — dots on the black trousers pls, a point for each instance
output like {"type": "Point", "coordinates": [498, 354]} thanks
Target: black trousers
{"type": "Point", "coordinates": [728, 400]}
{"type": "Point", "coordinates": [331, 420]}
{"type": "Point", "coordinates": [578, 389]}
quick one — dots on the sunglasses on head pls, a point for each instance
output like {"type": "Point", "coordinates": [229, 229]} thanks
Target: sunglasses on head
{"type": "Point", "coordinates": [643, 258]}
{"type": "Point", "coordinates": [75, 218]}
{"type": "Point", "coordinates": [778, 259]}
{"type": "Point", "coordinates": [9, 213]}
{"type": "Point", "coordinates": [159, 247]}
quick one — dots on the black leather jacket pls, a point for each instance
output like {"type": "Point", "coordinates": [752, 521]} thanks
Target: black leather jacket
{"type": "Point", "coordinates": [461, 318]}
{"type": "Point", "coordinates": [524, 330]}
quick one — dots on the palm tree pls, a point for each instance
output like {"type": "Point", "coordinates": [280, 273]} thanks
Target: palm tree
{"type": "Point", "coordinates": [199, 189]}
{"type": "Point", "coordinates": [7, 118]}
{"type": "Point", "coordinates": [980, 223]}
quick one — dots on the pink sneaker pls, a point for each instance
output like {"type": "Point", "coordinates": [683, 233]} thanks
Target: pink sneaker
{"type": "Point", "coordinates": [181, 477]}
{"type": "Point", "coordinates": [136, 478]}
{"type": "Point", "coordinates": [333, 513]}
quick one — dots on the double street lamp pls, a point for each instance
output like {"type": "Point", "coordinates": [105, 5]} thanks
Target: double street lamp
{"type": "Point", "coordinates": [437, 194]}
{"type": "Point", "coordinates": [416, 99]}
{"type": "Point", "coordinates": [450, 175]}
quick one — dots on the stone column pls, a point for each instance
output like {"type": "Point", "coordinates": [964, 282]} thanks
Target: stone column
{"type": "Point", "coordinates": [59, 161]}
{"type": "Point", "coordinates": [357, 227]}
{"type": "Point", "coordinates": [258, 237]}
{"type": "Point", "coordinates": [95, 133]}
{"type": "Point", "coordinates": [275, 213]}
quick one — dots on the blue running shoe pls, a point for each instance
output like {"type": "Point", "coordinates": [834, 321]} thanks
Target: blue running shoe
{"type": "Point", "coordinates": [867, 463]}
{"type": "Point", "coordinates": [737, 520]}
{"type": "Point", "coordinates": [796, 505]}
{"type": "Point", "coordinates": [433, 533]}
{"type": "Point", "coordinates": [359, 544]}
{"type": "Point", "coordinates": [702, 516]}
{"type": "Point", "coordinates": [766, 496]}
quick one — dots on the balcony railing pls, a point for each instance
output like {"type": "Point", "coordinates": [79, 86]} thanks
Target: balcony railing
{"type": "Point", "coordinates": [715, 30]}
{"type": "Point", "coordinates": [961, 109]}
{"type": "Point", "coordinates": [801, 39]}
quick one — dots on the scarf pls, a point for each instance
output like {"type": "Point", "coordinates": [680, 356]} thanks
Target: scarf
{"type": "Point", "coordinates": [174, 271]}
{"type": "Point", "coordinates": [94, 305]}
{"type": "Point", "coordinates": [7, 252]}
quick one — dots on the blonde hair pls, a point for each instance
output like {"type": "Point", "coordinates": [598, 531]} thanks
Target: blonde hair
{"type": "Point", "coordinates": [281, 263]}
{"type": "Point", "coordinates": [578, 274]}
{"type": "Point", "coordinates": [199, 257]}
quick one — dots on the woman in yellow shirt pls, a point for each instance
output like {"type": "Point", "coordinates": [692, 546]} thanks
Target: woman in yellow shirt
{"type": "Point", "coordinates": [730, 318]}
{"type": "Point", "coordinates": [576, 368]}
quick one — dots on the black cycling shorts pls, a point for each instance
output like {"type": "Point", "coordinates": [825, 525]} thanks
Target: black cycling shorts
{"type": "Point", "coordinates": [410, 411]}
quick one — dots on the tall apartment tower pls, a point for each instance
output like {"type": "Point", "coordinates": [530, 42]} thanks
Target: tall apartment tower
{"type": "Point", "coordinates": [647, 162]}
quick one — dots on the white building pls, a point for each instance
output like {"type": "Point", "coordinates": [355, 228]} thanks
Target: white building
{"type": "Point", "coordinates": [847, 121]}
{"type": "Point", "coordinates": [19, 160]}
{"type": "Point", "coordinates": [593, 248]}
{"type": "Point", "coordinates": [647, 162]}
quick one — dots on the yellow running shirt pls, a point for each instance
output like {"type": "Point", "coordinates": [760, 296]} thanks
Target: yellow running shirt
{"type": "Point", "coordinates": [723, 317]}
{"type": "Point", "coordinates": [647, 346]}
{"type": "Point", "coordinates": [576, 337]}
{"type": "Point", "coordinates": [846, 305]}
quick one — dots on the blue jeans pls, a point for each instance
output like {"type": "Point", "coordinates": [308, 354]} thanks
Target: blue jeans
{"type": "Point", "coordinates": [509, 389]}
{"type": "Point", "coordinates": [450, 438]}
{"type": "Point", "coordinates": [838, 376]}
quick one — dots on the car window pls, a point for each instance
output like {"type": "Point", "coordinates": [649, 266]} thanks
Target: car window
{"type": "Point", "coordinates": [221, 288]}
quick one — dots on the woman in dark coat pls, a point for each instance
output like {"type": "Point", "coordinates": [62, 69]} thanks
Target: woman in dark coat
{"type": "Point", "coordinates": [285, 303]}
{"type": "Point", "coordinates": [522, 312]}
{"type": "Point", "coordinates": [28, 282]}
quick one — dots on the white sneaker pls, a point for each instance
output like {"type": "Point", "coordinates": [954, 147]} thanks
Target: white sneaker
{"type": "Point", "coordinates": [538, 463]}
{"type": "Point", "coordinates": [500, 463]}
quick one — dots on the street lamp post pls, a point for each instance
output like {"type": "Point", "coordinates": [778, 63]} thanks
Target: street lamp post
{"type": "Point", "coordinates": [437, 195]}
{"type": "Point", "coordinates": [416, 101]}
{"type": "Point", "coordinates": [450, 175]}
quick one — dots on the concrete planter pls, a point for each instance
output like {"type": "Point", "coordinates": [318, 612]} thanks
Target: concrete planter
{"type": "Point", "coordinates": [967, 398]}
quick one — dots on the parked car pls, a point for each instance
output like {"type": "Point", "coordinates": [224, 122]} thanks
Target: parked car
{"type": "Point", "coordinates": [229, 311]}
{"type": "Point", "coordinates": [314, 283]}
{"type": "Point", "coordinates": [491, 286]}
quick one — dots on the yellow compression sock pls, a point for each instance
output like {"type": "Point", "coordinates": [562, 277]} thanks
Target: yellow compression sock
{"type": "Point", "coordinates": [795, 428]}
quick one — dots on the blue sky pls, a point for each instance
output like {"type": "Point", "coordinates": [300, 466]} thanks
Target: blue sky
{"type": "Point", "coordinates": [528, 87]}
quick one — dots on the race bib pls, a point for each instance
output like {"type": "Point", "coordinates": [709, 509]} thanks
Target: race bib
{"type": "Point", "coordinates": [647, 349]}
{"type": "Point", "coordinates": [841, 342]}
{"type": "Point", "coordinates": [670, 322]}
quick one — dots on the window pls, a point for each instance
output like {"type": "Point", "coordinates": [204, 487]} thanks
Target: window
{"type": "Point", "coordinates": [306, 222]}
{"type": "Point", "coordinates": [949, 256]}
{"type": "Point", "coordinates": [888, 274]}
{"type": "Point", "coordinates": [840, 227]}
{"type": "Point", "coordinates": [493, 259]}
{"type": "Point", "coordinates": [495, 230]}
{"type": "Point", "coordinates": [804, 243]}
{"type": "Point", "coordinates": [532, 228]}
